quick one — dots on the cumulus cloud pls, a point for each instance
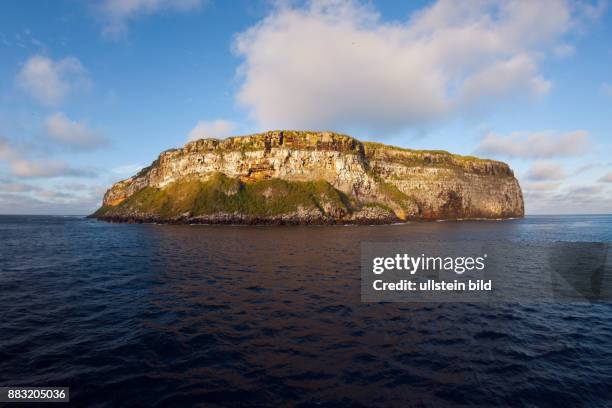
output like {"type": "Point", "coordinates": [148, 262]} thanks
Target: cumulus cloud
{"type": "Point", "coordinates": [117, 13]}
{"type": "Point", "coordinates": [334, 64]}
{"type": "Point", "coordinates": [606, 178]}
{"type": "Point", "coordinates": [74, 135]}
{"type": "Point", "coordinates": [518, 73]}
{"type": "Point", "coordinates": [543, 171]}
{"type": "Point", "coordinates": [535, 145]}
{"type": "Point", "coordinates": [216, 129]}
{"type": "Point", "coordinates": [49, 81]}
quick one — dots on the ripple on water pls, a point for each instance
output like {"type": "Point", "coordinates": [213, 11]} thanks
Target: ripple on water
{"type": "Point", "coordinates": [152, 315]}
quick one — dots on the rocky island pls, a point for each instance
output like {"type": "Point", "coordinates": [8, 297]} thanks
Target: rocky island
{"type": "Point", "coordinates": [300, 177]}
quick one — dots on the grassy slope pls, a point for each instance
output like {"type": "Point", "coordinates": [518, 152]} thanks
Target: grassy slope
{"type": "Point", "coordinates": [373, 146]}
{"type": "Point", "coordinates": [221, 194]}
{"type": "Point", "coordinates": [430, 158]}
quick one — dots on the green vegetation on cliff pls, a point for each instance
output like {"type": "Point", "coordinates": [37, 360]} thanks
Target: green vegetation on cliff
{"type": "Point", "coordinates": [418, 158]}
{"type": "Point", "coordinates": [222, 194]}
{"type": "Point", "coordinates": [254, 178]}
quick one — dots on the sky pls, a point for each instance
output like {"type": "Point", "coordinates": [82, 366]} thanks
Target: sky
{"type": "Point", "coordinates": [92, 91]}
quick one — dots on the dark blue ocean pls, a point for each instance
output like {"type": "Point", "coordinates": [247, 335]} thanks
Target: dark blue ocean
{"type": "Point", "coordinates": [169, 315]}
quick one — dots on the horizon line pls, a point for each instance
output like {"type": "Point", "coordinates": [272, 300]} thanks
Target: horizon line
{"type": "Point", "coordinates": [465, 219]}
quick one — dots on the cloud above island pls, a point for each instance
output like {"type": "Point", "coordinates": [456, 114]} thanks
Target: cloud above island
{"type": "Point", "coordinates": [49, 81]}
{"type": "Point", "coordinates": [72, 134]}
{"type": "Point", "coordinates": [116, 14]}
{"type": "Point", "coordinates": [386, 76]}
{"type": "Point", "coordinates": [216, 129]}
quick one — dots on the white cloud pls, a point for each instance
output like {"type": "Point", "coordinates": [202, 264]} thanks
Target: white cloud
{"type": "Point", "coordinates": [72, 134]}
{"type": "Point", "coordinates": [211, 129]}
{"type": "Point", "coordinates": [17, 187]}
{"type": "Point", "coordinates": [564, 50]}
{"type": "Point", "coordinates": [75, 187]}
{"type": "Point", "coordinates": [504, 78]}
{"type": "Point", "coordinates": [55, 194]}
{"type": "Point", "coordinates": [49, 81]}
{"type": "Point", "coordinates": [117, 13]}
{"type": "Point", "coordinates": [575, 199]}
{"type": "Point", "coordinates": [581, 190]}
{"type": "Point", "coordinates": [126, 169]}
{"type": "Point", "coordinates": [606, 178]}
{"type": "Point", "coordinates": [45, 169]}
{"type": "Point", "coordinates": [333, 64]}
{"type": "Point", "coordinates": [543, 171]}
{"type": "Point", "coordinates": [11, 203]}
{"type": "Point", "coordinates": [588, 167]}
{"type": "Point", "coordinates": [540, 186]}
{"type": "Point", "coordinates": [6, 151]}
{"type": "Point", "coordinates": [535, 145]}
{"type": "Point", "coordinates": [21, 166]}
{"type": "Point", "coordinates": [591, 11]}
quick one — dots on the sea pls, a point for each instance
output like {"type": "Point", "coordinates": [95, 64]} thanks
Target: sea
{"type": "Point", "coordinates": [180, 315]}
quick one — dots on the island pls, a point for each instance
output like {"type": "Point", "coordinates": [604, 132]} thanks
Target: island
{"type": "Point", "coordinates": [304, 177]}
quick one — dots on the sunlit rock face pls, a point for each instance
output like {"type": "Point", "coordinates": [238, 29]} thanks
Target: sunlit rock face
{"type": "Point", "coordinates": [311, 177]}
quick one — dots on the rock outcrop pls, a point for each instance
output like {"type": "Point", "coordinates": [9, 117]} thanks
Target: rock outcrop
{"type": "Point", "coordinates": [311, 177]}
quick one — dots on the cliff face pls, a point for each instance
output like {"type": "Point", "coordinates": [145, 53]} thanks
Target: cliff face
{"type": "Point", "coordinates": [311, 177]}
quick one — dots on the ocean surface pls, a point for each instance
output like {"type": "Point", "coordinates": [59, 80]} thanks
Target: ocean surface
{"type": "Point", "coordinates": [164, 315]}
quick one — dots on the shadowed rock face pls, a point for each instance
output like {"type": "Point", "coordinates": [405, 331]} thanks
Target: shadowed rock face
{"type": "Point", "coordinates": [311, 177]}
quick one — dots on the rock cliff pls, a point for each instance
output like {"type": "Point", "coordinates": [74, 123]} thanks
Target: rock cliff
{"type": "Point", "coordinates": [311, 177]}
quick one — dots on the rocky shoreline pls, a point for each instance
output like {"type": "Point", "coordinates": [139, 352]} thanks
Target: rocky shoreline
{"type": "Point", "coordinates": [255, 221]}
{"type": "Point", "coordinates": [363, 217]}
{"type": "Point", "coordinates": [244, 221]}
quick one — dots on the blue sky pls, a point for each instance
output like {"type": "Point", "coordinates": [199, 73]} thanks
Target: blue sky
{"type": "Point", "coordinates": [92, 91]}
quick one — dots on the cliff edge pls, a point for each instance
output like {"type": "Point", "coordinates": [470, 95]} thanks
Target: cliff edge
{"type": "Point", "coordinates": [299, 177]}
